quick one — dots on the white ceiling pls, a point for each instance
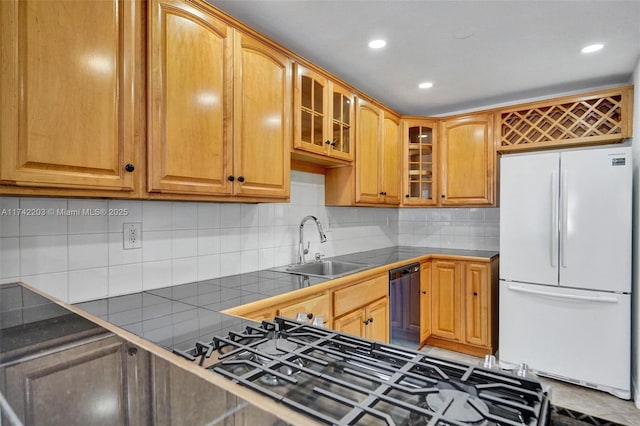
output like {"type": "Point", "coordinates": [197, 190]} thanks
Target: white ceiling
{"type": "Point", "coordinates": [477, 53]}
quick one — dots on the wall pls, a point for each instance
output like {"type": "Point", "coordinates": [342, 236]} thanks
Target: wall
{"type": "Point", "coordinates": [635, 326]}
{"type": "Point", "coordinates": [464, 228]}
{"type": "Point", "coordinates": [78, 258]}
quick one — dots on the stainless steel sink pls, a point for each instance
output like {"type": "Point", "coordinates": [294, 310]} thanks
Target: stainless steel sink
{"type": "Point", "coordinates": [324, 268]}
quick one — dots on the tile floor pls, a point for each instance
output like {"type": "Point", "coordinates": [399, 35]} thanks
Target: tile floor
{"type": "Point", "coordinates": [577, 398]}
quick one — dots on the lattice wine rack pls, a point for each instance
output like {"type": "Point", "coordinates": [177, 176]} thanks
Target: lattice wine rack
{"type": "Point", "coordinates": [594, 118]}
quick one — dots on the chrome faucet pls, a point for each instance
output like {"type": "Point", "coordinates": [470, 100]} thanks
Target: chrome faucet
{"type": "Point", "coordinates": [301, 249]}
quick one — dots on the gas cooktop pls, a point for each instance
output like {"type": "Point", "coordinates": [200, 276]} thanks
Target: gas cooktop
{"type": "Point", "coordinates": [344, 380]}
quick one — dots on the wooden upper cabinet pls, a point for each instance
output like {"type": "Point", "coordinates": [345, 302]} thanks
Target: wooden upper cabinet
{"type": "Point", "coordinates": [262, 119]}
{"type": "Point", "coordinates": [324, 115]}
{"type": "Point", "coordinates": [69, 114]}
{"type": "Point", "coordinates": [369, 119]}
{"type": "Point", "coordinates": [467, 160]}
{"type": "Point", "coordinates": [420, 177]}
{"type": "Point", "coordinates": [190, 87]}
{"type": "Point", "coordinates": [390, 166]}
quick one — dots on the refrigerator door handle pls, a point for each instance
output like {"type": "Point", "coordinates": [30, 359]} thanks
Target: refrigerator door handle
{"type": "Point", "coordinates": [554, 218]}
{"type": "Point", "coordinates": [564, 197]}
{"type": "Point", "coordinates": [603, 299]}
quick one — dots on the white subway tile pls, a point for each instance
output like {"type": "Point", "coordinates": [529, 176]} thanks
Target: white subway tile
{"type": "Point", "coordinates": [184, 216]}
{"type": "Point", "coordinates": [249, 216]}
{"type": "Point", "coordinates": [285, 255]}
{"type": "Point", "coordinates": [492, 215]}
{"type": "Point", "coordinates": [208, 241]}
{"type": "Point", "coordinates": [250, 239]}
{"type": "Point", "coordinates": [156, 215]}
{"type": "Point", "coordinates": [476, 214]}
{"type": "Point", "coordinates": [229, 264]}
{"type": "Point", "coordinates": [185, 270]}
{"type": "Point", "coordinates": [461, 214]}
{"type": "Point", "coordinates": [88, 251]}
{"type": "Point", "coordinates": [230, 239]}
{"type": "Point", "coordinates": [266, 258]}
{"type": "Point", "coordinates": [156, 245]}
{"type": "Point", "coordinates": [9, 219]}
{"type": "Point", "coordinates": [9, 257]}
{"type": "Point", "coordinates": [208, 215]}
{"type": "Point", "coordinates": [48, 216]}
{"type": "Point", "coordinates": [447, 241]}
{"type": "Point", "coordinates": [461, 241]}
{"type": "Point", "coordinates": [491, 243]}
{"type": "Point", "coordinates": [92, 218]}
{"type": "Point", "coordinates": [43, 255]}
{"type": "Point", "coordinates": [284, 236]}
{"type": "Point", "coordinates": [267, 236]}
{"type": "Point", "coordinates": [230, 216]}
{"type": "Point", "coordinates": [266, 214]}
{"type": "Point", "coordinates": [124, 279]}
{"type": "Point", "coordinates": [184, 243]}
{"type": "Point", "coordinates": [123, 211]}
{"type": "Point", "coordinates": [281, 214]}
{"type": "Point", "coordinates": [406, 240]}
{"type": "Point", "coordinates": [88, 284]}
{"type": "Point", "coordinates": [55, 284]}
{"type": "Point", "coordinates": [492, 229]}
{"type": "Point", "coordinates": [156, 274]}
{"type": "Point", "coordinates": [249, 260]}
{"type": "Point", "coordinates": [118, 255]}
{"type": "Point", "coordinates": [208, 267]}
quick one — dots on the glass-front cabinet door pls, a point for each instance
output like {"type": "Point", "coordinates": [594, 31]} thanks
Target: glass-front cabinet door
{"type": "Point", "coordinates": [323, 116]}
{"type": "Point", "coordinates": [341, 145]}
{"type": "Point", "coordinates": [420, 177]}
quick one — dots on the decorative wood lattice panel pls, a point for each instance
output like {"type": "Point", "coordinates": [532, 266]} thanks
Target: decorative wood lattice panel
{"type": "Point", "coordinates": [596, 119]}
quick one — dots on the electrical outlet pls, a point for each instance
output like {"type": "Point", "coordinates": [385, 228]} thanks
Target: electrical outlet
{"type": "Point", "coordinates": [132, 236]}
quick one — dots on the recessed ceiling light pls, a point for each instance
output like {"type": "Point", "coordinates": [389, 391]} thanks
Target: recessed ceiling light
{"type": "Point", "coordinates": [377, 44]}
{"type": "Point", "coordinates": [592, 48]}
{"type": "Point", "coordinates": [425, 85]}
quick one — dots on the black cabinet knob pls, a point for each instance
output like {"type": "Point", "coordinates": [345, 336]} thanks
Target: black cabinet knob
{"type": "Point", "coordinates": [231, 178]}
{"type": "Point", "coordinates": [365, 322]}
{"type": "Point", "coordinates": [475, 293]}
{"type": "Point", "coordinates": [310, 315]}
{"type": "Point", "coordinates": [370, 319]}
{"type": "Point", "coordinates": [240, 178]}
{"type": "Point", "coordinates": [424, 292]}
{"type": "Point", "coordinates": [129, 167]}
{"type": "Point", "coordinates": [327, 143]}
{"type": "Point", "coordinates": [442, 195]}
{"type": "Point", "coordinates": [407, 196]}
{"type": "Point", "coordinates": [132, 351]}
{"type": "Point", "coordinates": [333, 143]}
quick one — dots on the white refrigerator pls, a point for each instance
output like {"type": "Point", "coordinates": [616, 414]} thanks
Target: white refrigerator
{"type": "Point", "coordinates": [565, 265]}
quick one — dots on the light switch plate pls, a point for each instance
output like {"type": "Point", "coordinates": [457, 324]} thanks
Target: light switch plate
{"type": "Point", "coordinates": [132, 236]}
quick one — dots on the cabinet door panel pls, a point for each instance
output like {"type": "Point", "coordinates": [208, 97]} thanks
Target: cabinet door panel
{"type": "Point", "coordinates": [445, 300]}
{"type": "Point", "coordinates": [367, 153]}
{"type": "Point", "coordinates": [85, 385]}
{"type": "Point", "coordinates": [390, 160]}
{"type": "Point", "coordinates": [352, 323]}
{"type": "Point", "coordinates": [378, 315]}
{"type": "Point", "coordinates": [319, 306]}
{"type": "Point", "coordinates": [467, 162]}
{"type": "Point", "coordinates": [190, 133]}
{"type": "Point", "coordinates": [262, 117]}
{"type": "Point", "coordinates": [341, 122]}
{"type": "Point", "coordinates": [69, 94]}
{"type": "Point", "coordinates": [476, 304]}
{"type": "Point", "coordinates": [425, 301]}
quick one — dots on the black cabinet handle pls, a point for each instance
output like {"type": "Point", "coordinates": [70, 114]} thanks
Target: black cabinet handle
{"type": "Point", "coordinates": [231, 178]}
{"type": "Point", "coordinates": [240, 178]}
{"type": "Point", "coordinates": [129, 167]}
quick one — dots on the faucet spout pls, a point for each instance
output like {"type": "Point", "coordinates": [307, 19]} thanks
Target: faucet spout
{"type": "Point", "coordinates": [302, 251]}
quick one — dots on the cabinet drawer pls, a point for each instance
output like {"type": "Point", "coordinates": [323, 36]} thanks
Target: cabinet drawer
{"type": "Point", "coordinates": [358, 295]}
{"type": "Point", "coordinates": [318, 306]}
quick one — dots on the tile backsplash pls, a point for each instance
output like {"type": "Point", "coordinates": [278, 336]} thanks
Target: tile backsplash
{"type": "Point", "coordinates": [81, 257]}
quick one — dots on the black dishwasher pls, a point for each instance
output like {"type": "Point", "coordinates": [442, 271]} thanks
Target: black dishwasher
{"type": "Point", "coordinates": [404, 300]}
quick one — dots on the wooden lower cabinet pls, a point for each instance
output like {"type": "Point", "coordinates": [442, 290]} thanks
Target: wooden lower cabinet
{"type": "Point", "coordinates": [464, 306]}
{"type": "Point", "coordinates": [101, 381]}
{"type": "Point", "coordinates": [425, 300]}
{"type": "Point", "coordinates": [316, 306]}
{"type": "Point", "coordinates": [370, 321]}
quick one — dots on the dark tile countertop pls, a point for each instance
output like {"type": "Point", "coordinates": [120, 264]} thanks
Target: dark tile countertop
{"type": "Point", "coordinates": [30, 324]}
{"type": "Point", "coordinates": [176, 317]}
